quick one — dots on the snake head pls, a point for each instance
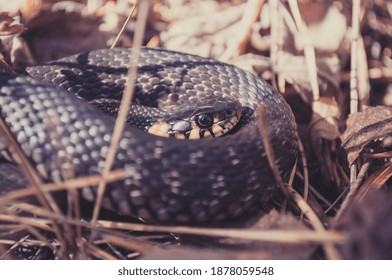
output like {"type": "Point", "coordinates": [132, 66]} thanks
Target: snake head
{"type": "Point", "coordinates": [213, 119]}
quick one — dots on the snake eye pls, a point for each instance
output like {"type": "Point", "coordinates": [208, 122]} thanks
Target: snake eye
{"type": "Point", "coordinates": [204, 120]}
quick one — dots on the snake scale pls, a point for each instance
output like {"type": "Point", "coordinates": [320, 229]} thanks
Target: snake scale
{"type": "Point", "coordinates": [169, 181]}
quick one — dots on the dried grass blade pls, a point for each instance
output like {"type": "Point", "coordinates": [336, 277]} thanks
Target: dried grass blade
{"type": "Point", "coordinates": [281, 236]}
{"type": "Point", "coordinates": [124, 105]}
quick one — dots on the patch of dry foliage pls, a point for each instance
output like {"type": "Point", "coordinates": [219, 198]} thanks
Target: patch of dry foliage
{"type": "Point", "coordinates": [332, 60]}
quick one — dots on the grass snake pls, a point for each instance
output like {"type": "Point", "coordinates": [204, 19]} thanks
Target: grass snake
{"type": "Point", "coordinates": [170, 181]}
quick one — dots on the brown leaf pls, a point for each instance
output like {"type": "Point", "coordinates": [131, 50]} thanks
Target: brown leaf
{"type": "Point", "coordinates": [79, 32]}
{"type": "Point", "coordinates": [207, 35]}
{"type": "Point", "coordinates": [364, 127]}
{"type": "Point", "coordinates": [6, 26]}
{"type": "Point", "coordinates": [375, 181]}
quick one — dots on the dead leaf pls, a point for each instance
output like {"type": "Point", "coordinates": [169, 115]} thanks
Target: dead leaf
{"type": "Point", "coordinates": [375, 181]}
{"type": "Point", "coordinates": [7, 27]}
{"type": "Point", "coordinates": [79, 31]}
{"type": "Point", "coordinates": [207, 34]}
{"type": "Point", "coordinates": [364, 127]}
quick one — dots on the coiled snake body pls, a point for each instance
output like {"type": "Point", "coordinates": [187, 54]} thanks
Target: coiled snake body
{"type": "Point", "coordinates": [169, 180]}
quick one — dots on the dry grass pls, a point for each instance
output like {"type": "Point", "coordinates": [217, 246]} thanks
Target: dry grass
{"type": "Point", "coordinates": [45, 228]}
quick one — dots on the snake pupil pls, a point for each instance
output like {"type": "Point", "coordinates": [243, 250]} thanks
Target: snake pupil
{"type": "Point", "coordinates": [204, 120]}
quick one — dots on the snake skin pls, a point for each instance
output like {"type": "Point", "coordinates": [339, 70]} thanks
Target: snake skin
{"type": "Point", "coordinates": [169, 181]}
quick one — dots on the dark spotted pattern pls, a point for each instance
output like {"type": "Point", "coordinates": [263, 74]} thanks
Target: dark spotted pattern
{"type": "Point", "coordinates": [170, 181]}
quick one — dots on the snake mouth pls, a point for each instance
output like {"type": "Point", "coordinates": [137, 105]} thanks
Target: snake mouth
{"type": "Point", "coordinates": [215, 119]}
{"type": "Point", "coordinates": [206, 122]}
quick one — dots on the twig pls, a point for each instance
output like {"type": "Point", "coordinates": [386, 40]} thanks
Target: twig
{"type": "Point", "coordinates": [281, 236]}
{"type": "Point", "coordinates": [354, 55]}
{"type": "Point", "coordinates": [97, 252]}
{"type": "Point", "coordinates": [124, 25]}
{"type": "Point", "coordinates": [44, 198]}
{"type": "Point", "coordinates": [138, 246]}
{"type": "Point", "coordinates": [252, 11]}
{"type": "Point", "coordinates": [353, 190]}
{"type": "Point", "coordinates": [31, 226]}
{"type": "Point", "coordinates": [305, 167]}
{"type": "Point", "coordinates": [330, 250]}
{"type": "Point", "coordinates": [35, 222]}
{"type": "Point", "coordinates": [313, 190]}
{"type": "Point", "coordinates": [13, 246]}
{"type": "Point", "coordinates": [375, 181]}
{"type": "Point", "coordinates": [275, 44]}
{"type": "Point", "coordinates": [308, 48]}
{"type": "Point", "coordinates": [28, 242]}
{"type": "Point", "coordinates": [77, 183]}
{"type": "Point", "coordinates": [67, 171]}
{"type": "Point", "coordinates": [340, 197]}
{"type": "Point", "coordinates": [306, 174]}
{"type": "Point", "coordinates": [124, 105]}
{"type": "Point", "coordinates": [353, 73]}
{"type": "Point", "coordinates": [264, 133]}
